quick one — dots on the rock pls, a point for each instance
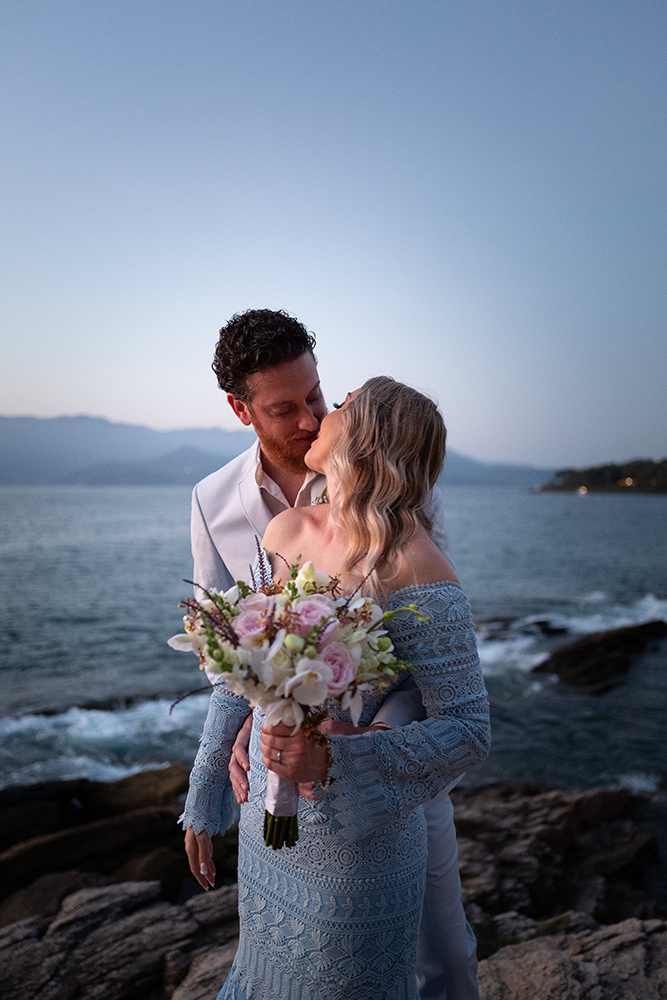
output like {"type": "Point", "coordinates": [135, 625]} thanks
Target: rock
{"type": "Point", "coordinates": [147, 789]}
{"type": "Point", "coordinates": [597, 662]}
{"type": "Point", "coordinates": [166, 865]}
{"type": "Point", "coordinates": [34, 810]}
{"type": "Point", "coordinates": [119, 942]}
{"type": "Point", "coordinates": [101, 846]}
{"type": "Point", "coordinates": [207, 973]}
{"type": "Point", "coordinates": [539, 853]}
{"type": "Point", "coordinates": [29, 819]}
{"type": "Point", "coordinates": [44, 896]}
{"type": "Point", "coordinates": [625, 960]}
{"type": "Point", "coordinates": [212, 909]}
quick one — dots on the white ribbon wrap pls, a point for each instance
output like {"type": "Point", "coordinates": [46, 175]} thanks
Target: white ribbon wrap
{"type": "Point", "coordinates": [282, 796]}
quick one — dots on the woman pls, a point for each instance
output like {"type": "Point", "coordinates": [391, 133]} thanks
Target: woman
{"type": "Point", "coordinates": [338, 915]}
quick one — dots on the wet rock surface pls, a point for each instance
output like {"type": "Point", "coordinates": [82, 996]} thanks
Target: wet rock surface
{"type": "Point", "coordinates": [554, 882]}
{"type": "Point", "coordinates": [599, 662]}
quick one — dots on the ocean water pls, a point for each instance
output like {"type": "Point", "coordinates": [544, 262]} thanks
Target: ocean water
{"type": "Point", "coordinates": [91, 578]}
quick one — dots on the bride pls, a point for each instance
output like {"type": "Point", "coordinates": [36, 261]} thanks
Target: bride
{"type": "Point", "coordinates": [337, 916]}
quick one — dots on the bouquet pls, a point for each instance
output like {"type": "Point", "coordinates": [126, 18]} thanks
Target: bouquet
{"type": "Point", "coordinates": [290, 649]}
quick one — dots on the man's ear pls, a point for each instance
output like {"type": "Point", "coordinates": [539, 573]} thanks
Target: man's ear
{"type": "Point", "coordinates": [240, 409]}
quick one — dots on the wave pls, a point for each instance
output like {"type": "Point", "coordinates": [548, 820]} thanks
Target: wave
{"type": "Point", "coordinates": [101, 745]}
{"type": "Point", "coordinates": [522, 643]}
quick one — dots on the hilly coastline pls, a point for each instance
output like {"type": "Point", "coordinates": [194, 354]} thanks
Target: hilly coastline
{"type": "Point", "coordinates": [92, 451]}
{"type": "Point", "coordinates": [641, 475]}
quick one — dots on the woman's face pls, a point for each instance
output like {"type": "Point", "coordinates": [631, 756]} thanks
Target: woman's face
{"type": "Point", "coordinates": [317, 456]}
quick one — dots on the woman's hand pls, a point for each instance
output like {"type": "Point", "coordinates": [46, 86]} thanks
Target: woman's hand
{"type": "Point", "coordinates": [239, 763]}
{"type": "Point", "coordinates": [301, 760]}
{"type": "Point", "coordinates": [199, 850]}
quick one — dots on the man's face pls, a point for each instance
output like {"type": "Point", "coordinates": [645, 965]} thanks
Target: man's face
{"type": "Point", "coordinates": [286, 408]}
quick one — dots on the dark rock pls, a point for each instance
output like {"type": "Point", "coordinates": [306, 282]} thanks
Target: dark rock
{"type": "Point", "coordinates": [29, 819]}
{"type": "Point", "coordinates": [44, 896]}
{"type": "Point", "coordinates": [164, 864]}
{"type": "Point", "coordinates": [207, 973]}
{"type": "Point", "coordinates": [542, 852]}
{"type": "Point", "coordinates": [597, 662]}
{"type": "Point", "coordinates": [118, 943]}
{"type": "Point", "coordinates": [34, 810]}
{"type": "Point", "coordinates": [138, 791]}
{"type": "Point", "coordinates": [100, 846]}
{"type": "Point", "coordinates": [624, 961]}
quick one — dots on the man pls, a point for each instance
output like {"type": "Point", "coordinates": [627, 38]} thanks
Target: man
{"type": "Point", "coordinates": [264, 361]}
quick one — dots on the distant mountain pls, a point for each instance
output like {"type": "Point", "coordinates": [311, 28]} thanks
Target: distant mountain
{"type": "Point", "coordinates": [460, 470]}
{"type": "Point", "coordinates": [91, 451]}
{"type": "Point", "coordinates": [64, 449]}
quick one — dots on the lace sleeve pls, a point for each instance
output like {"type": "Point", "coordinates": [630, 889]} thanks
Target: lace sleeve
{"type": "Point", "coordinates": [211, 804]}
{"type": "Point", "coordinates": [381, 775]}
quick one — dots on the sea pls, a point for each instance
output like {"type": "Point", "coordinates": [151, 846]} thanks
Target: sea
{"type": "Point", "coordinates": [90, 584]}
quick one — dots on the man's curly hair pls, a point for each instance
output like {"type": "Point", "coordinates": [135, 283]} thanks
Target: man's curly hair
{"type": "Point", "coordinates": [255, 340]}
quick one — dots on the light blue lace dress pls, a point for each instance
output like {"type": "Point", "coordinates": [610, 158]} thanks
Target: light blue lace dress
{"type": "Point", "coordinates": [337, 916]}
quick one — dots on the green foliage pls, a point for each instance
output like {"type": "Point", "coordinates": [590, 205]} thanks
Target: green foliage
{"type": "Point", "coordinates": [638, 476]}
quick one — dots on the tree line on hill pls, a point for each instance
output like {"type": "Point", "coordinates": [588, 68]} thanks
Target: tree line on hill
{"type": "Point", "coordinates": [638, 476]}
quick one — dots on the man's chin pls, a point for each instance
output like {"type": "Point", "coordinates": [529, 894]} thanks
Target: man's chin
{"type": "Point", "coordinates": [289, 460]}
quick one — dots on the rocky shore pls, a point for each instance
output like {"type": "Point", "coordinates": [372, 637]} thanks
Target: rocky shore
{"type": "Point", "coordinates": [96, 900]}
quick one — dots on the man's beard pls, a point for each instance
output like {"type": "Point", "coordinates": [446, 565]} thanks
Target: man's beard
{"type": "Point", "coordinates": [287, 455]}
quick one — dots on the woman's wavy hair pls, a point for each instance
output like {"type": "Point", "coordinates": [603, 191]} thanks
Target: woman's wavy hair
{"type": "Point", "coordinates": [385, 463]}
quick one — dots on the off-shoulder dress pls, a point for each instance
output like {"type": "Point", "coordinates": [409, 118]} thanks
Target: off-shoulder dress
{"type": "Point", "coordinates": [337, 916]}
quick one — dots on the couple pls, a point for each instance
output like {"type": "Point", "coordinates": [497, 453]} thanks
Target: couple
{"type": "Point", "coordinates": [368, 902]}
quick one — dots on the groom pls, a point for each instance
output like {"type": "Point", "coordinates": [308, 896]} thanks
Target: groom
{"type": "Point", "coordinates": [265, 364]}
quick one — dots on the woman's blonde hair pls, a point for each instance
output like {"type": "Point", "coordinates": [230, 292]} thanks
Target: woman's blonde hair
{"type": "Point", "coordinates": [386, 462]}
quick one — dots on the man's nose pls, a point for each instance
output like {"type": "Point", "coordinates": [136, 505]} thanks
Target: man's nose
{"type": "Point", "coordinates": [308, 419]}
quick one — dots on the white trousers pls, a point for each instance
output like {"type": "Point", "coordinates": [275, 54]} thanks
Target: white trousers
{"type": "Point", "coordinates": [447, 949]}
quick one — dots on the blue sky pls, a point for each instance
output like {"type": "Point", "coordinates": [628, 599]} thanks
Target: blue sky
{"type": "Point", "coordinates": [468, 195]}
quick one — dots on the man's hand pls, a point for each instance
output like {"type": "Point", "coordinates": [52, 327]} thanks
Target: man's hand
{"type": "Point", "coordinates": [239, 763]}
{"type": "Point", "coordinates": [199, 850]}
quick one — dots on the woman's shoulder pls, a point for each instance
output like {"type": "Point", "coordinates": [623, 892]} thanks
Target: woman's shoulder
{"type": "Point", "coordinates": [421, 563]}
{"type": "Point", "coordinates": [288, 525]}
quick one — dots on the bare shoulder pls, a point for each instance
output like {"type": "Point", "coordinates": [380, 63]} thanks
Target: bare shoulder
{"type": "Point", "coordinates": [421, 561]}
{"type": "Point", "coordinates": [285, 526]}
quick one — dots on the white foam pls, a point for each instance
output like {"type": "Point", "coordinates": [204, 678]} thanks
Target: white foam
{"type": "Point", "coordinates": [101, 745]}
{"type": "Point", "coordinates": [646, 609]}
{"type": "Point", "coordinates": [516, 651]}
{"type": "Point", "coordinates": [640, 782]}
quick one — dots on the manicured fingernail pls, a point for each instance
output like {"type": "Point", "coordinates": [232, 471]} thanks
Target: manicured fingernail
{"type": "Point", "coordinates": [203, 869]}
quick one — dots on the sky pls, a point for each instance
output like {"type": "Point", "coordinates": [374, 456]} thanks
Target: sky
{"type": "Point", "coordinates": [468, 195]}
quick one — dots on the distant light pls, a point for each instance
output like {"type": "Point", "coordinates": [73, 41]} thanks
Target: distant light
{"type": "Point", "coordinates": [582, 490]}
{"type": "Point", "coordinates": [621, 482]}
{"type": "Point", "coordinates": [628, 482]}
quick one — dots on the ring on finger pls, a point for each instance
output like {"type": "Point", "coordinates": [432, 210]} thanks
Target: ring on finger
{"type": "Point", "coordinates": [279, 756]}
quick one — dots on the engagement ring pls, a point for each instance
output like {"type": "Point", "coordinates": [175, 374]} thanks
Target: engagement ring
{"type": "Point", "coordinates": [279, 756]}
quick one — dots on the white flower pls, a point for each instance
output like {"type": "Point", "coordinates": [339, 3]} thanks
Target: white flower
{"type": "Point", "coordinates": [309, 686]}
{"type": "Point", "coordinates": [286, 711]}
{"type": "Point", "coordinates": [355, 703]}
{"type": "Point", "coordinates": [183, 642]}
{"type": "Point", "coordinates": [232, 595]}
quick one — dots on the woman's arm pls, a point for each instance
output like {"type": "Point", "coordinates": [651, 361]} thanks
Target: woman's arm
{"type": "Point", "coordinates": [382, 775]}
{"type": "Point", "coordinates": [210, 804]}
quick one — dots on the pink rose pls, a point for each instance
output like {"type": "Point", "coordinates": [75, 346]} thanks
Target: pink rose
{"type": "Point", "coordinates": [343, 667]}
{"type": "Point", "coordinates": [309, 613]}
{"type": "Point", "coordinates": [249, 623]}
{"type": "Point", "coordinates": [254, 602]}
